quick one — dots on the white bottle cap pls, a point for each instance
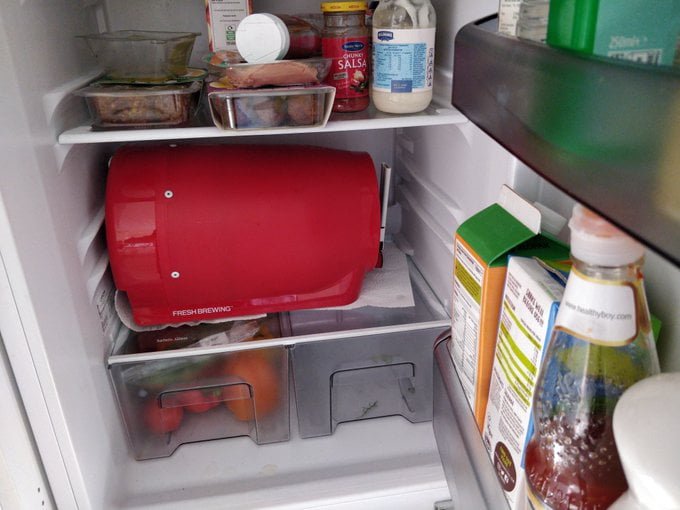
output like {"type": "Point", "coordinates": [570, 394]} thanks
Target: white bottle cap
{"type": "Point", "coordinates": [646, 432]}
{"type": "Point", "coordinates": [596, 241]}
{"type": "Point", "coordinates": [262, 38]}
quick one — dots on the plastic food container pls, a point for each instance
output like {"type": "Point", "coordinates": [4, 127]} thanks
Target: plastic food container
{"type": "Point", "coordinates": [217, 61]}
{"type": "Point", "coordinates": [116, 106]}
{"type": "Point", "coordinates": [264, 37]}
{"type": "Point", "coordinates": [270, 107]}
{"type": "Point", "coordinates": [274, 74]}
{"type": "Point", "coordinates": [192, 74]}
{"type": "Point", "coordinates": [183, 395]}
{"type": "Point", "coordinates": [142, 55]}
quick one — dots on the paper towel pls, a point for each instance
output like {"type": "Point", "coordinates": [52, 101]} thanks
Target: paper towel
{"type": "Point", "coordinates": [125, 314]}
{"type": "Point", "coordinates": [386, 287]}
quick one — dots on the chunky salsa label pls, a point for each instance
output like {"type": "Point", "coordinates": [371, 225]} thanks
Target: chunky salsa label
{"type": "Point", "coordinates": [349, 67]}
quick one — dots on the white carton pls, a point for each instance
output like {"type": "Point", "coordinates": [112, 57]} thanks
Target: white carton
{"type": "Point", "coordinates": [508, 14]}
{"type": "Point", "coordinates": [531, 297]}
{"type": "Point", "coordinates": [223, 17]}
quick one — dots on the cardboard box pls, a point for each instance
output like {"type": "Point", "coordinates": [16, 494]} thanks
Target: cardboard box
{"type": "Point", "coordinates": [531, 299]}
{"type": "Point", "coordinates": [508, 14]}
{"type": "Point", "coordinates": [482, 245]}
{"type": "Point", "coordinates": [223, 17]}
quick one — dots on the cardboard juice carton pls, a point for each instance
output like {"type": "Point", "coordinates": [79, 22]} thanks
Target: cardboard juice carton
{"type": "Point", "coordinates": [531, 298]}
{"type": "Point", "coordinates": [482, 245]}
{"type": "Point", "coordinates": [223, 17]}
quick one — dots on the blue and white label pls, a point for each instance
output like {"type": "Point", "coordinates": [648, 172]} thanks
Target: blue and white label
{"type": "Point", "coordinates": [353, 46]}
{"type": "Point", "coordinates": [403, 60]}
{"type": "Point", "coordinates": [385, 35]}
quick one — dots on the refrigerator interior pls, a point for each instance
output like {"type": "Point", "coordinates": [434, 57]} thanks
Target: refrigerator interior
{"type": "Point", "coordinates": [59, 326]}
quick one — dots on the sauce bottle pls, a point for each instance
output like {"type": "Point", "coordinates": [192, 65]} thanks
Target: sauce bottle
{"type": "Point", "coordinates": [601, 344]}
{"type": "Point", "coordinates": [346, 40]}
{"type": "Point", "coordinates": [403, 55]}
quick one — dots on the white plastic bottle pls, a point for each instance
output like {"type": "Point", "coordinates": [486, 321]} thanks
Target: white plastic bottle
{"type": "Point", "coordinates": [403, 55]}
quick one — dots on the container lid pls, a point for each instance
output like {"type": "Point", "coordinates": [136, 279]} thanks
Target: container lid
{"type": "Point", "coordinates": [262, 38]}
{"type": "Point", "coordinates": [646, 432]}
{"type": "Point", "coordinates": [343, 6]}
{"type": "Point", "coordinates": [596, 241]}
{"type": "Point", "coordinates": [122, 90]}
{"type": "Point", "coordinates": [215, 89]}
{"type": "Point", "coordinates": [141, 35]}
{"type": "Point", "coordinates": [192, 74]}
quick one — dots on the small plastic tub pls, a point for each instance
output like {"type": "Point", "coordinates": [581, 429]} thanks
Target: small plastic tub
{"type": "Point", "coordinates": [264, 37]}
{"type": "Point", "coordinates": [270, 108]}
{"type": "Point", "coordinates": [142, 55]}
{"type": "Point", "coordinates": [140, 106]}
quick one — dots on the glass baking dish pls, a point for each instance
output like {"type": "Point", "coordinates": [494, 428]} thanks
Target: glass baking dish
{"type": "Point", "coordinates": [142, 54]}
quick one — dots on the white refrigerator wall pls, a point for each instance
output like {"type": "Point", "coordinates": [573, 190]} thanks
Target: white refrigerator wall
{"type": "Point", "coordinates": [52, 251]}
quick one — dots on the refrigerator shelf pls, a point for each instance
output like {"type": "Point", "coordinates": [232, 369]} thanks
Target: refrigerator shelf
{"type": "Point", "coordinates": [308, 326]}
{"type": "Point", "coordinates": [383, 464]}
{"type": "Point", "coordinates": [369, 119]}
{"type": "Point", "coordinates": [604, 131]}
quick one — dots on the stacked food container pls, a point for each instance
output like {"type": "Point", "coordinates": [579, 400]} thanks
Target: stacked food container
{"type": "Point", "coordinates": [146, 81]}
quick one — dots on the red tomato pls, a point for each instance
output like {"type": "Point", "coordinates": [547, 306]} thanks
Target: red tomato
{"type": "Point", "coordinates": [200, 401]}
{"type": "Point", "coordinates": [161, 420]}
{"type": "Point", "coordinates": [194, 401]}
{"type": "Point", "coordinates": [257, 369]}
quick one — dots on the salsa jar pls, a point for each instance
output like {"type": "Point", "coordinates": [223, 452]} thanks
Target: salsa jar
{"type": "Point", "coordinates": [346, 40]}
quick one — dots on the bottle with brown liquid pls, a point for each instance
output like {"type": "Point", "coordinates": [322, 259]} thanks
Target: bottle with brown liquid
{"type": "Point", "coordinates": [601, 344]}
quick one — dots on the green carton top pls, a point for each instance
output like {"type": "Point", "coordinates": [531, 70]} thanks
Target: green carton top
{"type": "Point", "coordinates": [494, 233]}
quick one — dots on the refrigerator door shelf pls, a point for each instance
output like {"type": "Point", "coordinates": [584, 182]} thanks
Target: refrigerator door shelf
{"type": "Point", "coordinates": [605, 131]}
{"type": "Point", "coordinates": [471, 478]}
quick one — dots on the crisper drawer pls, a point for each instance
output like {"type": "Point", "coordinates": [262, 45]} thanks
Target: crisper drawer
{"type": "Point", "coordinates": [370, 362]}
{"type": "Point", "coordinates": [469, 473]}
{"type": "Point", "coordinates": [168, 398]}
{"type": "Point", "coordinates": [214, 381]}
{"type": "Point", "coordinates": [351, 379]}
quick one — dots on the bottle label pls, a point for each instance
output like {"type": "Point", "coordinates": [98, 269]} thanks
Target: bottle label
{"type": "Point", "coordinates": [598, 311]}
{"type": "Point", "coordinates": [349, 68]}
{"type": "Point", "coordinates": [403, 59]}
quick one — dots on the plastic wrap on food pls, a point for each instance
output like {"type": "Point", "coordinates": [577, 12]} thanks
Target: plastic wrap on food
{"type": "Point", "coordinates": [280, 73]}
